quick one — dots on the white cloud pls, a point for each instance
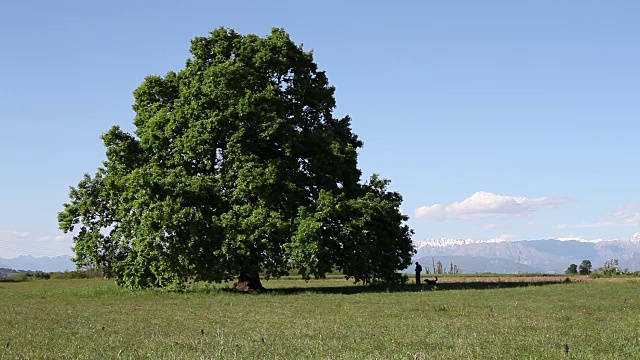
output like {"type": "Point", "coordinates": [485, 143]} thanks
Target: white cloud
{"type": "Point", "coordinates": [53, 238]}
{"type": "Point", "coordinates": [596, 224]}
{"type": "Point", "coordinates": [532, 224]}
{"type": "Point", "coordinates": [627, 216]}
{"type": "Point", "coordinates": [504, 237]}
{"type": "Point", "coordinates": [433, 212]}
{"type": "Point", "coordinates": [8, 235]}
{"type": "Point", "coordinates": [16, 243]}
{"type": "Point", "coordinates": [482, 205]}
{"type": "Point", "coordinates": [491, 226]}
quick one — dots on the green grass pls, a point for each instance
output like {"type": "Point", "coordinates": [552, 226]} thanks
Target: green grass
{"type": "Point", "coordinates": [329, 319]}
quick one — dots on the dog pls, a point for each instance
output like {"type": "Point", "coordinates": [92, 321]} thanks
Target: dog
{"type": "Point", "coordinates": [431, 282]}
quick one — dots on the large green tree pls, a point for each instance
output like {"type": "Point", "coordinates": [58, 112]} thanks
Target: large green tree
{"type": "Point", "coordinates": [585, 267]}
{"type": "Point", "coordinates": [236, 168]}
{"type": "Point", "coordinates": [572, 269]}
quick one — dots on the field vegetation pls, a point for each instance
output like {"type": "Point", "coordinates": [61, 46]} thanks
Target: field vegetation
{"type": "Point", "coordinates": [481, 317]}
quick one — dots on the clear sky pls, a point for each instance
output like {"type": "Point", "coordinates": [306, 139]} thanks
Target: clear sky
{"type": "Point", "coordinates": [494, 119]}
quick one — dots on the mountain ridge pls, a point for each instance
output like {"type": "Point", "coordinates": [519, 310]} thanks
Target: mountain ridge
{"type": "Point", "coordinates": [45, 263]}
{"type": "Point", "coordinates": [544, 255]}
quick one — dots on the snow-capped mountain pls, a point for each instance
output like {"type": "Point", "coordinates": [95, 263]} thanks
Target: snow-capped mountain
{"type": "Point", "coordinates": [57, 263]}
{"type": "Point", "coordinates": [549, 255]}
{"type": "Point", "coordinates": [446, 243]}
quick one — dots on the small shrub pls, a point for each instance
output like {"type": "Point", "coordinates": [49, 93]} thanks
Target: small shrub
{"type": "Point", "coordinates": [93, 273]}
{"type": "Point", "coordinates": [572, 269]}
{"type": "Point", "coordinates": [41, 275]}
{"type": "Point", "coordinates": [67, 275]}
{"type": "Point", "coordinates": [439, 307]}
{"type": "Point", "coordinates": [20, 277]}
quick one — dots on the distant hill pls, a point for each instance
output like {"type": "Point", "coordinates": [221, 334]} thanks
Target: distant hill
{"type": "Point", "coordinates": [5, 273]}
{"type": "Point", "coordinates": [547, 255]}
{"type": "Point", "coordinates": [476, 264]}
{"type": "Point", "coordinates": [30, 263]}
{"type": "Point", "coordinates": [471, 256]}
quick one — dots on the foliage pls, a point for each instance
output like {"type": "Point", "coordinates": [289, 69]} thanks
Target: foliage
{"type": "Point", "coordinates": [93, 319]}
{"type": "Point", "coordinates": [623, 274]}
{"type": "Point", "coordinates": [57, 275]}
{"type": "Point", "coordinates": [41, 275]}
{"type": "Point", "coordinates": [29, 275]}
{"type": "Point", "coordinates": [611, 268]}
{"type": "Point", "coordinates": [19, 277]}
{"type": "Point", "coordinates": [236, 168]}
{"type": "Point", "coordinates": [78, 274]}
{"type": "Point", "coordinates": [585, 267]}
{"type": "Point", "coordinates": [572, 269]}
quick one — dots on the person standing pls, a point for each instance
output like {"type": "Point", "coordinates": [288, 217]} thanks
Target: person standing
{"type": "Point", "coordinates": [418, 272]}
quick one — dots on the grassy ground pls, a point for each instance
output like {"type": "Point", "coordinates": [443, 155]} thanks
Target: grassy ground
{"type": "Point", "coordinates": [330, 319]}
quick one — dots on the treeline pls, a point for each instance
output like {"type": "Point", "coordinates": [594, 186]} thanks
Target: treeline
{"type": "Point", "coordinates": [5, 273]}
{"type": "Point", "coordinates": [20, 276]}
{"type": "Point", "coordinates": [611, 268]}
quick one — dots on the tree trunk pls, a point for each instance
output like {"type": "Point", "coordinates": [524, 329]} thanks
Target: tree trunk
{"type": "Point", "coordinates": [249, 281]}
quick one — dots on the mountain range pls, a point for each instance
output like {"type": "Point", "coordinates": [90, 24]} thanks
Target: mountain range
{"type": "Point", "coordinates": [470, 256]}
{"type": "Point", "coordinates": [48, 264]}
{"type": "Point", "coordinates": [545, 256]}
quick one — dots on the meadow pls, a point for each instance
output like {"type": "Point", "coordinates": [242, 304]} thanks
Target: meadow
{"type": "Point", "coordinates": [325, 319]}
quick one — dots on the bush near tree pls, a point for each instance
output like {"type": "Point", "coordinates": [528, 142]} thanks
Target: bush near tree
{"type": "Point", "coordinates": [237, 167]}
{"type": "Point", "coordinates": [572, 269]}
{"type": "Point", "coordinates": [610, 268]}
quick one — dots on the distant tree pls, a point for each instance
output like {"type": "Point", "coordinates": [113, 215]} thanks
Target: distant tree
{"type": "Point", "coordinates": [610, 268]}
{"type": "Point", "coordinates": [572, 269]}
{"type": "Point", "coordinates": [237, 168]}
{"type": "Point", "coordinates": [585, 267]}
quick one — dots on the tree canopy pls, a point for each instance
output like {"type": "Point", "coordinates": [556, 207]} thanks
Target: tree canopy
{"type": "Point", "coordinates": [572, 269]}
{"type": "Point", "coordinates": [585, 267]}
{"type": "Point", "coordinates": [236, 169]}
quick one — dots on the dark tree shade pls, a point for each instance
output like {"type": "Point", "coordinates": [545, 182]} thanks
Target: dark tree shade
{"type": "Point", "coordinates": [572, 269]}
{"type": "Point", "coordinates": [236, 168]}
{"type": "Point", "coordinates": [585, 267]}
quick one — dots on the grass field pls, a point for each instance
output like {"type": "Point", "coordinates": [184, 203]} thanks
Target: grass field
{"type": "Point", "coordinates": [329, 319]}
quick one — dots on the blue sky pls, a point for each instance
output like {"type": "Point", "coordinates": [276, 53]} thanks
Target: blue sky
{"type": "Point", "coordinates": [494, 119]}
